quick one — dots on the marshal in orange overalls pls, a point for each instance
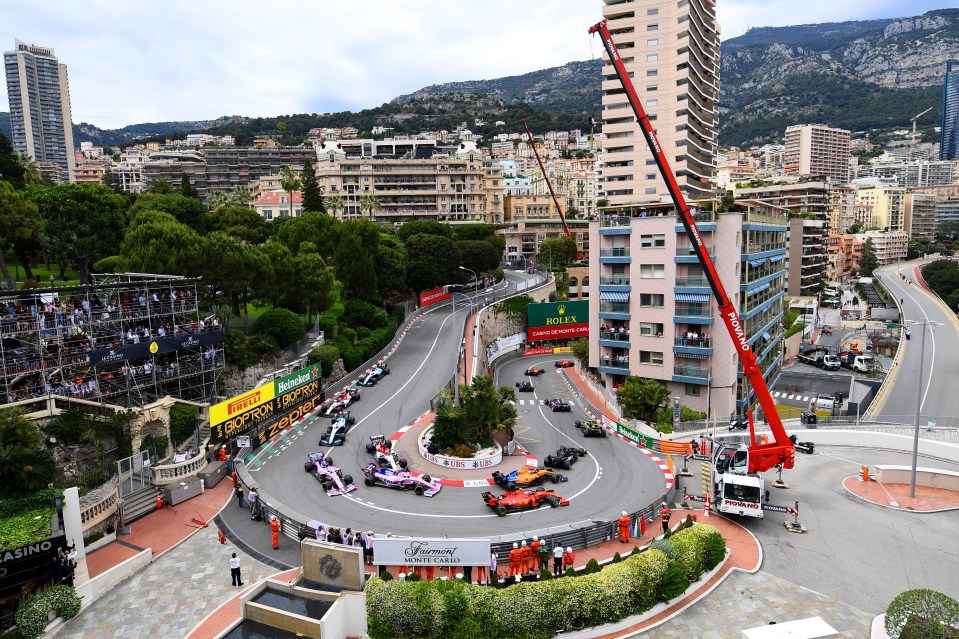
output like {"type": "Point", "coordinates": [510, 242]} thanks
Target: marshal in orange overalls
{"type": "Point", "coordinates": [624, 525]}
{"type": "Point", "coordinates": [275, 527]}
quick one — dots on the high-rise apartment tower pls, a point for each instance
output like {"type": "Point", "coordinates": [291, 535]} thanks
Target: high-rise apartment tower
{"type": "Point", "coordinates": [40, 118]}
{"type": "Point", "coordinates": [817, 151]}
{"type": "Point", "coordinates": [949, 142]}
{"type": "Point", "coordinates": [671, 50]}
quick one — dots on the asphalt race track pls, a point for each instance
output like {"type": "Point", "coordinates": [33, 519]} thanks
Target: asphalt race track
{"type": "Point", "coordinates": [613, 476]}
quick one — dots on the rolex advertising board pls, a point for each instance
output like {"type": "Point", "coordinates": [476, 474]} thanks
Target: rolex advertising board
{"type": "Point", "coordinates": [267, 409]}
{"type": "Point", "coordinates": [557, 320]}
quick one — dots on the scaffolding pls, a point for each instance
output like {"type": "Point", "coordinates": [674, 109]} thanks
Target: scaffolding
{"type": "Point", "coordinates": [126, 339]}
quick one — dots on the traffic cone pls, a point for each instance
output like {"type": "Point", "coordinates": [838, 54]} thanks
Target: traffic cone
{"type": "Point", "coordinates": [221, 536]}
{"type": "Point", "coordinates": [159, 502]}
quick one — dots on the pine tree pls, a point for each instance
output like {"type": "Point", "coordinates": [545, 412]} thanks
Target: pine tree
{"type": "Point", "coordinates": [187, 189]}
{"type": "Point", "coordinates": [868, 262]}
{"type": "Point", "coordinates": [312, 194]}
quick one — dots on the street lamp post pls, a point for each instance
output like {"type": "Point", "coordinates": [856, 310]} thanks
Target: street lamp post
{"type": "Point", "coordinates": [51, 280]}
{"type": "Point", "coordinates": [915, 438]}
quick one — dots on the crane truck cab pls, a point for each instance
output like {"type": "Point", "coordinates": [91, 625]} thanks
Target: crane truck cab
{"type": "Point", "coordinates": [737, 491]}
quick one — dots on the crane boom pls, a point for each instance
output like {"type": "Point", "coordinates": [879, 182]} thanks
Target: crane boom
{"type": "Point", "coordinates": [549, 184]}
{"type": "Point", "coordinates": [762, 457]}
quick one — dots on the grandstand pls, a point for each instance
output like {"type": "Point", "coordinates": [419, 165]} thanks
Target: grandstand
{"type": "Point", "coordinates": [126, 339]}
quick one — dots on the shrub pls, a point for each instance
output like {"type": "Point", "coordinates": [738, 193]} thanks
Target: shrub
{"type": "Point", "coordinates": [569, 573]}
{"type": "Point", "coordinates": [666, 547]}
{"type": "Point", "coordinates": [328, 325]}
{"type": "Point", "coordinates": [592, 566]}
{"type": "Point", "coordinates": [713, 545]}
{"type": "Point", "coordinates": [545, 574]}
{"type": "Point", "coordinates": [921, 614]}
{"type": "Point", "coordinates": [673, 583]}
{"type": "Point", "coordinates": [93, 477]}
{"type": "Point", "coordinates": [283, 326]}
{"type": "Point", "coordinates": [386, 576]}
{"type": "Point", "coordinates": [690, 552]}
{"type": "Point", "coordinates": [97, 536]}
{"type": "Point", "coordinates": [326, 356]}
{"type": "Point", "coordinates": [357, 313]}
{"type": "Point", "coordinates": [32, 616]}
{"type": "Point", "coordinates": [182, 422]}
{"type": "Point", "coordinates": [412, 577]}
{"type": "Point", "coordinates": [73, 426]}
{"type": "Point", "coordinates": [362, 332]}
{"type": "Point", "coordinates": [111, 264]}
{"type": "Point", "coordinates": [617, 558]}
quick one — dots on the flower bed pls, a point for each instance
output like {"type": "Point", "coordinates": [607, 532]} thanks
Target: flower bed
{"type": "Point", "coordinates": [483, 458]}
{"type": "Point", "coordinates": [532, 610]}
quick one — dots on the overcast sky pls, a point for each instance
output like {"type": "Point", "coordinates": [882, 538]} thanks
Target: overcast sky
{"type": "Point", "coordinates": [133, 62]}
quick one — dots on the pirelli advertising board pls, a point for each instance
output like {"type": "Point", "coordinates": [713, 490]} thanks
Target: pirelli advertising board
{"type": "Point", "coordinates": [267, 409]}
{"type": "Point", "coordinates": [557, 320]}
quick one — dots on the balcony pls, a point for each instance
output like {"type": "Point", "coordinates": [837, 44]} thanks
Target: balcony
{"type": "Point", "coordinates": [754, 302]}
{"type": "Point", "coordinates": [686, 253]}
{"type": "Point", "coordinates": [696, 312]}
{"type": "Point", "coordinates": [619, 336]}
{"type": "Point", "coordinates": [692, 282]}
{"type": "Point", "coordinates": [700, 342]}
{"type": "Point", "coordinates": [614, 281]}
{"type": "Point", "coordinates": [614, 308]}
{"type": "Point", "coordinates": [620, 365]}
{"type": "Point", "coordinates": [614, 252]}
{"type": "Point", "coordinates": [693, 372]}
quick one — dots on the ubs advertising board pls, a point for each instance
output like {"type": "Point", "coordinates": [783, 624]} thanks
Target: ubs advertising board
{"type": "Point", "coordinates": [557, 320]}
{"type": "Point", "coordinates": [266, 410]}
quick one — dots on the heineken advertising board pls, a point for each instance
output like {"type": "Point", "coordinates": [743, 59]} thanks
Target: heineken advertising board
{"type": "Point", "coordinates": [273, 406]}
{"type": "Point", "coordinates": [557, 320]}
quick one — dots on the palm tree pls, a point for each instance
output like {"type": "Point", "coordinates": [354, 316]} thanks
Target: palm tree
{"type": "Point", "coordinates": [371, 204]}
{"type": "Point", "coordinates": [30, 168]}
{"type": "Point", "coordinates": [289, 182]}
{"type": "Point", "coordinates": [241, 195]}
{"type": "Point", "coordinates": [217, 200]}
{"type": "Point", "coordinates": [334, 203]}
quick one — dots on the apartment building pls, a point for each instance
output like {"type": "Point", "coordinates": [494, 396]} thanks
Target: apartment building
{"type": "Point", "coordinates": [671, 51]}
{"type": "Point", "coordinates": [949, 133]}
{"type": "Point", "coordinates": [530, 219]}
{"type": "Point", "coordinates": [888, 206]}
{"type": "Point", "coordinates": [88, 173]}
{"type": "Point", "coordinates": [652, 287]}
{"type": "Point", "coordinates": [807, 257]}
{"type": "Point", "coordinates": [921, 215]}
{"type": "Point", "coordinates": [911, 175]}
{"type": "Point", "coordinates": [842, 208]}
{"type": "Point", "coordinates": [41, 122]}
{"type": "Point", "coordinates": [890, 246]}
{"type": "Point", "coordinates": [843, 254]}
{"type": "Point", "coordinates": [797, 197]}
{"type": "Point", "coordinates": [276, 203]}
{"type": "Point", "coordinates": [815, 150]}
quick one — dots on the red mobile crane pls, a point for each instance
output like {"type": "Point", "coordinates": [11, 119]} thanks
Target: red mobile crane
{"type": "Point", "coordinates": [758, 457]}
{"type": "Point", "coordinates": [542, 168]}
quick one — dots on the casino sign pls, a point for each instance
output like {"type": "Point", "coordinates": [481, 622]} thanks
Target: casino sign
{"type": "Point", "coordinates": [557, 320]}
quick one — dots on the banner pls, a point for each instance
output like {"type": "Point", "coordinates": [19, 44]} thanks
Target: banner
{"type": "Point", "coordinates": [32, 563]}
{"type": "Point", "coordinates": [239, 404]}
{"type": "Point", "coordinates": [434, 296]}
{"type": "Point", "coordinates": [544, 350]}
{"type": "Point", "coordinates": [295, 380]}
{"type": "Point", "coordinates": [431, 552]}
{"type": "Point", "coordinates": [557, 320]}
{"type": "Point", "coordinates": [504, 345]}
{"type": "Point", "coordinates": [157, 346]}
{"type": "Point", "coordinates": [634, 435]}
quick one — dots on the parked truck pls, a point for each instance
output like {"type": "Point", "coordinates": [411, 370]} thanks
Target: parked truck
{"type": "Point", "coordinates": [821, 358]}
{"type": "Point", "coordinates": [857, 362]}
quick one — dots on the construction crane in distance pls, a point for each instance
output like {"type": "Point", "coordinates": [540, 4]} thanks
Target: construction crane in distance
{"type": "Point", "coordinates": [912, 145]}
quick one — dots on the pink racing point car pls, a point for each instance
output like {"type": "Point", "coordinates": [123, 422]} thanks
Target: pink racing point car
{"type": "Point", "coordinates": [332, 479]}
{"type": "Point", "coordinates": [401, 480]}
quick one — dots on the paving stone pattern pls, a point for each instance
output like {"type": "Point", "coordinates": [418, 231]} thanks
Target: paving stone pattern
{"type": "Point", "coordinates": [170, 596]}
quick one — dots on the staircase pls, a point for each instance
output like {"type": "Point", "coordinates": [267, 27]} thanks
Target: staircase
{"type": "Point", "coordinates": [140, 503]}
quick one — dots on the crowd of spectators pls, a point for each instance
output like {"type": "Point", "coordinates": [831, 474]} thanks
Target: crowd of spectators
{"type": "Point", "coordinates": [615, 331]}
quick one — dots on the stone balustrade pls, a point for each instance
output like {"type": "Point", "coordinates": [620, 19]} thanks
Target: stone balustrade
{"type": "Point", "coordinates": [101, 505]}
{"type": "Point", "coordinates": [171, 473]}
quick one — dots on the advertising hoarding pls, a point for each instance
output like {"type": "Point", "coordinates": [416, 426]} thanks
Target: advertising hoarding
{"type": "Point", "coordinates": [430, 552]}
{"type": "Point", "coordinates": [557, 320]}
{"type": "Point", "coordinates": [434, 296]}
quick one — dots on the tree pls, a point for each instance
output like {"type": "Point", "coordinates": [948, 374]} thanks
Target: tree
{"type": "Point", "coordinates": [314, 283]}
{"type": "Point", "coordinates": [320, 229]}
{"type": "Point", "coordinates": [19, 220]}
{"type": "Point", "coordinates": [868, 262]}
{"type": "Point", "coordinates": [484, 411]}
{"type": "Point", "coordinates": [334, 203]}
{"type": "Point", "coordinates": [186, 210]}
{"type": "Point", "coordinates": [29, 168]}
{"type": "Point", "coordinates": [187, 189]}
{"type": "Point", "coordinates": [427, 227]}
{"type": "Point", "coordinates": [157, 243]}
{"type": "Point", "coordinates": [922, 614]}
{"type": "Point", "coordinates": [112, 181]}
{"type": "Point", "coordinates": [641, 397]}
{"type": "Point", "coordinates": [289, 182]}
{"type": "Point", "coordinates": [10, 169]}
{"type": "Point", "coordinates": [241, 195]}
{"type": "Point", "coordinates": [312, 193]}
{"type": "Point", "coordinates": [580, 348]}
{"type": "Point", "coordinates": [855, 227]}
{"type": "Point", "coordinates": [279, 284]}
{"type": "Point", "coordinates": [283, 326]}
{"type": "Point", "coordinates": [370, 204]}
{"type": "Point", "coordinates": [477, 255]}
{"type": "Point", "coordinates": [84, 222]}
{"type": "Point", "coordinates": [242, 223]}
{"type": "Point", "coordinates": [231, 268]}
{"type": "Point", "coordinates": [160, 187]}
{"type": "Point", "coordinates": [390, 266]}
{"type": "Point", "coordinates": [432, 260]}
{"type": "Point", "coordinates": [354, 259]}
{"type": "Point", "coordinates": [557, 251]}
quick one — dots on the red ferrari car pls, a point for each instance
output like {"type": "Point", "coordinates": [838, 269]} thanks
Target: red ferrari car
{"type": "Point", "coordinates": [565, 363]}
{"type": "Point", "coordinates": [519, 500]}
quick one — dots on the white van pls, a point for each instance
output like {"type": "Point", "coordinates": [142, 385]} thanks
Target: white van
{"type": "Point", "coordinates": [825, 402]}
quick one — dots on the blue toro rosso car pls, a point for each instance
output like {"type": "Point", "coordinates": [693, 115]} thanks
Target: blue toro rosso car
{"type": "Point", "coordinates": [336, 432]}
{"type": "Point", "coordinates": [401, 480]}
{"type": "Point", "coordinates": [373, 375]}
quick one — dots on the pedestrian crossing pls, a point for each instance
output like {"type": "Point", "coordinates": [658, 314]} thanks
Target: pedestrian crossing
{"type": "Point", "coordinates": [533, 402]}
{"type": "Point", "coordinates": [796, 397]}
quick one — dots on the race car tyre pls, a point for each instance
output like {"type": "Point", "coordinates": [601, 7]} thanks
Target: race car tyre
{"type": "Point", "coordinates": [368, 481]}
{"type": "Point", "coordinates": [388, 443]}
{"type": "Point", "coordinates": [511, 488]}
{"type": "Point", "coordinates": [370, 448]}
{"type": "Point", "coordinates": [329, 429]}
{"type": "Point", "coordinates": [308, 466]}
{"type": "Point", "coordinates": [427, 479]}
{"type": "Point", "coordinates": [356, 397]}
{"type": "Point", "coordinates": [501, 510]}
{"type": "Point", "coordinates": [351, 421]}
{"type": "Point", "coordinates": [403, 463]}
{"type": "Point", "coordinates": [347, 480]}
{"type": "Point", "coordinates": [581, 452]}
{"type": "Point", "coordinates": [329, 460]}
{"type": "Point", "coordinates": [326, 485]}
{"type": "Point", "coordinates": [548, 462]}
{"type": "Point", "coordinates": [418, 490]}
{"type": "Point", "coordinates": [554, 501]}
{"type": "Point", "coordinates": [554, 478]}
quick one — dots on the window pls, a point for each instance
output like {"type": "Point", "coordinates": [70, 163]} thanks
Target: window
{"type": "Point", "coordinates": [652, 57]}
{"type": "Point", "coordinates": [652, 12]}
{"type": "Point", "coordinates": [652, 241]}
{"type": "Point", "coordinates": [651, 73]}
{"type": "Point", "coordinates": [654, 358]}
{"type": "Point", "coordinates": [652, 271]}
{"type": "Point", "coordinates": [650, 162]}
{"type": "Point", "coordinates": [652, 87]}
{"type": "Point", "coordinates": [692, 389]}
{"type": "Point", "coordinates": [268, 214]}
{"type": "Point", "coordinates": [650, 176]}
{"type": "Point", "coordinates": [652, 103]}
{"type": "Point", "coordinates": [650, 191]}
{"type": "Point", "coordinates": [650, 329]}
{"type": "Point", "coordinates": [652, 42]}
{"type": "Point", "coordinates": [652, 27]}
{"type": "Point", "coordinates": [651, 300]}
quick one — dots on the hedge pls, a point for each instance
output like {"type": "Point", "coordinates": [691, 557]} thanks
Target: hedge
{"type": "Point", "coordinates": [26, 520]}
{"type": "Point", "coordinates": [32, 616]}
{"type": "Point", "coordinates": [533, 610]}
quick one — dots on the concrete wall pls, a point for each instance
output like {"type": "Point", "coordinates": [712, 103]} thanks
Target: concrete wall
{"type": "Point", "coordinates": [866, 439]}
{"type": "Point", "coordinates": [281, 619]}
{"type": "Point", "coordinates": [346, 617]}
{"type": "Point", "coordinates": [333, 564]}
{"type": "Point", "coordinates": [933, 477]}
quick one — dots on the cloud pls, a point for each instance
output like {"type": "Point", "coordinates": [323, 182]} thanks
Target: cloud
{"type": "Point", "coordinates": [200, 59]}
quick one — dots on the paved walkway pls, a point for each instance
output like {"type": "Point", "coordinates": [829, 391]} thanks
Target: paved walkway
{"type": "Point", "coordinates": [896, 496]}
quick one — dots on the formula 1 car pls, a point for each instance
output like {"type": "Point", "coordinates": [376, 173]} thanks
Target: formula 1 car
{"type": "Point", "coordinates": [564, 458]}
{"type": "Point", "coordinates": [557, 405]}
{"type": "Point", "coordinates": [382, 450]}
{"type": "Point", "coordinates": [527, 477]}
{"type": "Point", "coordinates": [532, 370]}
{"type": "Point", "coordinates": [336, 432]}
{"type": "Point", "coordinates": [563, 363]}
{"type": "Point", "coordinates": [519, 500]}
{"type": "Point", "coordinates": [341, 400]}
{"type": "Point", "coordinates": [332, 479]}
{"type": "Point", "coordinates": [524, 387]}
{"type": "Point", "coordinates": [401, 480]}
{"type": "Point", "coordinates": [374, 375]}
{"type": "Point", "coordinates": [827, 330]}
{"type": "Point", "coordinates": [590, 428]}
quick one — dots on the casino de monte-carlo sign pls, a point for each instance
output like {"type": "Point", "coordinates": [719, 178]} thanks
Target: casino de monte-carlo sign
{"type": "Point", "coordinates": [407, 551]}
{"type": "Point", "coordinates": [557, 320]}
